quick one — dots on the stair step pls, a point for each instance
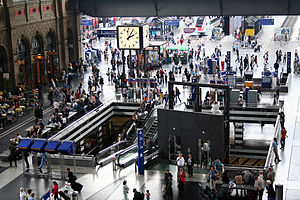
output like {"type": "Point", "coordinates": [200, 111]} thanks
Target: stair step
{"type": "Point", "coordinates": [238, 136]}
{"type": "Point", "coordinates": [238, 130]}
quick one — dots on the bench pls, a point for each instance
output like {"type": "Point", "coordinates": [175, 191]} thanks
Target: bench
{"type": "Point", "coordinates": [242, 187]}
{"type": "Point", "coordinates": [252, 119]}
{"type": "Point", "coordinates": [29, 129]}
{"type": "Point", "coordinates": [71, 115]}
{"type": "Point", "coordinates": [45, 131]}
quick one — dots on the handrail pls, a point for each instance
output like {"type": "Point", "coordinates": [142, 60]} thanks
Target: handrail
{"type": "Point", "coordinates": [70, 127]}
{"type": "Point", "coordinates": [109, 148]}
{"type": "Point", "coordinates": [270, 156]}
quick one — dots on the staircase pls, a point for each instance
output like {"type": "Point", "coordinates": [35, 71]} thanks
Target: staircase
{"type": "Point", "coordinates": [238, 134]}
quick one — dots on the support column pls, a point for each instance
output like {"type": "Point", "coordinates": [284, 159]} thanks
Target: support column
{"type": "Point", "coordinates": [226, 124]}
{"type": "Point", "coordinates": [171, 96]}
{"type": "Point", "coordinates": [197, 107]}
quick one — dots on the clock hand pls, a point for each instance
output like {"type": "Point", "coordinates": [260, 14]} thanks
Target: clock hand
{"type": "Point", "coordinates": [130, 35]}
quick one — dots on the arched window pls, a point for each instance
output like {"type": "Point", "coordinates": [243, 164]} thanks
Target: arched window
{"type": "Point", "coordinates": [37, 45]}
{"type": "Point", "coordinates": [50, 42]}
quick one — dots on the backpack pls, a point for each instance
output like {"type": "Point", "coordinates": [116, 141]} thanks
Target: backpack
{"type": "Point", "coordinates": [141, 195]}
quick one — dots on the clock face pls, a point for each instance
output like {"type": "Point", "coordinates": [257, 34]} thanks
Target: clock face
{"type": "Point", "coordinates": [146, 36]}
{"type": "Point", "coordinates": [129, 37]}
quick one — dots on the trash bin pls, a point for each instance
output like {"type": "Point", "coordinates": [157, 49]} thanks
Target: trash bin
{"type": "Point", "coordinates": [279, 191]}
{"type": "Point", "coordinates": [74, 195]}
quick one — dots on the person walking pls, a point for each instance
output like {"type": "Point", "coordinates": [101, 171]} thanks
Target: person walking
{"type": "Point", "coordinates": [275, 150]}
{"type": "Point", "coordinates": [270, 190]}
{"type": "Point", "coordinates": [13, 154]}
{"type": "Point", "coordinates": [177, 93]}
{"type": "Point", "coordinates": [125, 190]}
{"type": "Point", "coordinates": [190, 165]}
{"type": "Point", "coordinates": [282, 138]}
{"type": "Point", "coordinates": [180, 162]}
{"type": "Point", "coordinates": [260, 185]}
{"type": "Point", "coordinates": [22, 194]}
{"type": "Point", "coordinates": [181, 180]}
{"type": "Point", "coordinates": [101, 81]}
{"type": "Point", "coordinates": [43, 161]}
{"type": "Point", "coordinates": [55, 190]}
{"type": "Point", "coordinates": [213, 176]}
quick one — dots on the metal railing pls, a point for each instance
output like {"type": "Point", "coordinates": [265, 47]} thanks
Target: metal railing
{"type": "Point", "coordinates": [270, 156]}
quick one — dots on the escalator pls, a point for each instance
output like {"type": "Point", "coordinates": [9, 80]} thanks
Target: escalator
{"type": "Point", "coordinates": [129, 155]}
{"type": "Point", "coordinates": [125, 151]}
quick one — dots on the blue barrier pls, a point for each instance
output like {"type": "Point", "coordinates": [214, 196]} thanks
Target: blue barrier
{"type": "Point", "coordinates": [66, 147]}
{"type": "Point", "coordinates": [39, 145]}
{"type": "Point", "coordinates": [52, 146]}
{"type": "Point", "coordinates": [25, 144]}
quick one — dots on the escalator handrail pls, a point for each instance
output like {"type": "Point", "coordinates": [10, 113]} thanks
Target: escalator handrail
{"type": "Point", "coordinates": [148, 116]}
{"type": "Point", "coordinates": [109, 148]}
{"type": "Point", "coordinates": [124, 152]}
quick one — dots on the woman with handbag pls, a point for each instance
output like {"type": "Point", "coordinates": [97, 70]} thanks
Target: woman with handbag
{"type": "Point", "coordinates": [213, 176]}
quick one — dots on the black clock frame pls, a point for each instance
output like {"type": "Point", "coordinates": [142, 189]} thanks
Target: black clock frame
{"type": "Point", "coordinates": [140, 36]}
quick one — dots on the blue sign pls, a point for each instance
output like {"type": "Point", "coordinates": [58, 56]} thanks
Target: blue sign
{"type": "Point", "coordinates": [288, 62]}
{"type": "Point", "coordinates": [87, 22]}
{"type": "Point", "coordinates": [174, 22]}
{"type": "Point", "coordinates": [140, 150]}
{"type": "Point", "coordinates": [134, 58]}
{"type": "Point", "coordinates": [228, 61]}
{"type": "Point", "coordinates": [106, 33]}
{"type": "Point", "coordinates": [266, 21]}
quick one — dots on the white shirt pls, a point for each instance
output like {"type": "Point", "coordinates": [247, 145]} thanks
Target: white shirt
{"type": "Point", "coordinates": [180, 161]}
{"type": "Point", "coordinates": [22, 195]}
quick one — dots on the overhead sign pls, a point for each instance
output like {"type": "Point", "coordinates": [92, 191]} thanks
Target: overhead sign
{"type": "Point", "coordinates": [266, 21]}
{"type": "Point", "coordinates": [174, 22]}
{"type": "Point", "coordinates": [189, 30]}
{"type": "Point", "coordinates": [87, 22]}
{"type": "Point", "coordinates": [107, 33]}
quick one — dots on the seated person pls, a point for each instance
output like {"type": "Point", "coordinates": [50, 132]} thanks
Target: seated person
{"type": "Point", "coordinates": [39, 132]}
{"type": "Point", "coordinates": [41, 124]}
{"type": "Point", "coordinates": [215, 108]}
{"type": "Point", "coordinates": [238, 179]}
{"type": "Point", "coordinates": [240, 101]}
{"type": "Point", "coordinates": [51, 119]}
{"type": "Point", "coordinates": [190, 99]}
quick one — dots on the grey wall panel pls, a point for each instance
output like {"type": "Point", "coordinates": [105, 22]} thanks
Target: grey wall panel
{"type": "Point", "coordinates": [190, 127]}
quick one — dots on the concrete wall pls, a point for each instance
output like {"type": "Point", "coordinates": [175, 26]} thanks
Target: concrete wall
{"type": "Point", "coordinates": [191, 126]}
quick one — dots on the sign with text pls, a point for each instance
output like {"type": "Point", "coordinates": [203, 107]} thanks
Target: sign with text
{"type": "Point", "coordinates": [107, 33]}
{"type": "Point", "coordinates": [87, 22]}
{"type": "Point", "coordinates": [266, 21]}
{"type": "Point", "coordinates": [174, 22]}
{"type": "Point", "coordinates": [189, 30]}
{"type": "Point", "coordinates": [140, 150]}
{"type": "Point", "coordinates": [288, 62]}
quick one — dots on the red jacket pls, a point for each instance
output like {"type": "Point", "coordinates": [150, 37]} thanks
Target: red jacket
{"type": "Point", "coordinates": [55, 189]}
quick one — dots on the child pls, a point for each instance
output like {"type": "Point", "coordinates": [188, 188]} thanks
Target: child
{"type": "Point", "coordinates": [147, 195]}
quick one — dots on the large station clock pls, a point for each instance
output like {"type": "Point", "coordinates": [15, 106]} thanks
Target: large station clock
{"type": "Point", "coordinates": [132, 37]}
{"type": "Point", "coordinates": [129, 37]}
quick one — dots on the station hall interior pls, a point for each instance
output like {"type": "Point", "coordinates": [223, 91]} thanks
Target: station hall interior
{"type": "Point", "coordinates": [190, 104]}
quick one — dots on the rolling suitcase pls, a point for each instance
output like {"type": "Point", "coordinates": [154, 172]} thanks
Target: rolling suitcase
{"type": "Point", "coordinates": [63, 195]}
{"type": "Point", "coordinates": [77, 187]}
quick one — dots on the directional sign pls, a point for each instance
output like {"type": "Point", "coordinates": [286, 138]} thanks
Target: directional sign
{"type": "Point", "coordinates": [87, 22]}
{"type": "Point", "coordinates": [266, 21]}
{"type": "Point", "coordinates": [140, 150]}
{"type": "Point", "coordinates": [174, 22]}
{"type": "Point", "coordinates": [288, 62]}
